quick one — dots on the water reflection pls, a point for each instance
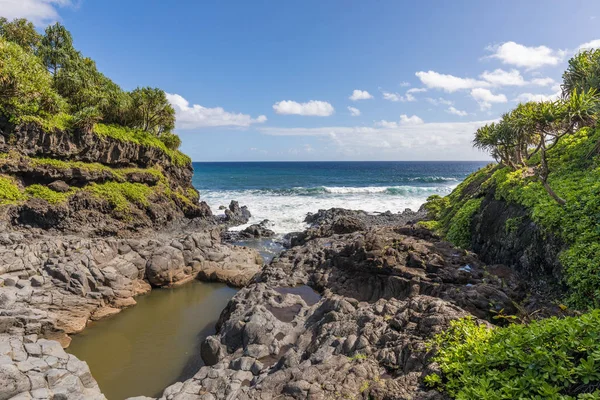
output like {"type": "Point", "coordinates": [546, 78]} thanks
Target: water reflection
{"type": "Point", "coordinates": [144, 349]}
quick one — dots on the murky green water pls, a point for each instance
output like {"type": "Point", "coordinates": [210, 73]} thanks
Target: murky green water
{"type": "Point", "coordinates": [144, 349]}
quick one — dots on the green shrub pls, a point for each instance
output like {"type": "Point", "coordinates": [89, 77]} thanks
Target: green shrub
{"type": "Point", "coordinates": [171, 140]}
{"type": "Point", "coordinates": [434, 206]}
{"type": "Point", "coordinates": [459, 232]}
{"type": "Point", "coordinates": [121, 195]}
{"type": "Point", "coordinates": [548, 359]}
{"type": "Point", "coordinates": [9, 191]}
{"type": "Point", "coordinates": [25, 84]}
{"type": "Point", "coordinates": [45, 193]}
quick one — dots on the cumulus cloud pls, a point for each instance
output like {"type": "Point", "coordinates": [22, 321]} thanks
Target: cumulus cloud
{"type": "Point", "coordinates": [449, 83]}
{"type": "Point", "coordinates": [409, 96]}
{"type": "Point", "coordinates": [355, 112]}
{"type": "Point", "coordinates": [452, 110]}
{"type": "Point", "coordinates": [404, 120]}
{"type": "Point", "coordinates": [196, 116]}
{"type": "Point", "coordinates": [313, 108]}
{"type": "Point", "coordinates": [439, 100]}
{"type": "Point", "coordinates": [593, 44]}
{"type": "Point", "coordinates": [391, 96]}
{"type": "Point", "coordinates": [360, 95]}
{"type": "Point", "coordinates": [394, 140]}
{"type": "Point", "coordinates": [40, 12]}
{"type": "Point", "coordinates": [500, 77]}
{"type": "Point", "coordinates": [485, 98]}
{"type": "Point", "coordinates": [526, 97]}
{"type": "Point", "coordinates": [542, 81]}
{"type": "Point", "coordinates": [412, 120]}
{"type": "Point", "coordinates": [528, 57]}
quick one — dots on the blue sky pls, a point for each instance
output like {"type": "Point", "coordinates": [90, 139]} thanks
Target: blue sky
{"type": "Point", "coordinates": [329, 80]}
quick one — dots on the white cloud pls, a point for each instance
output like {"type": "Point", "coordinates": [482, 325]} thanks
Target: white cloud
{"type": "Point", "coordinates": [542, 81]}
{"type": "Point", "coordinates": [313, 108]}
{"type": "Point", "coordinates": [452, 110]}
{"type": "Point", "coordinates": [485, 98]}
{"type": "Point", "coordinates": [355, 112]}
{"type": "Point", "coordinates": [593, 44]}
{"type": "Point", "coordinates": [413, 120]}
{"type": "Point", "coordinates": [404, 84]}
{"type": "Point", "coordinates": [528, 57]}
{"type": "Point", "coordinates": [395, 141]}
{"type": "Point", "coordinates": [398, 97]}
{"type": "Point", "coordinates": [438, 101]}
{"type": "Point", "coordinates": [526, 97]}
{"type": "Point", "coordinates": [391, 96]}
{"type": "Point", "coordinates": [360, 95]}
{"type": "Point", "coordinates": [449, 83]}
{"type": "Point", "coordinates": [197, 116]}
{"type": "Point", "coordinates": [500, 77]}
{"type": "Point", "coordinates": [404, 120]}
{"type": "Point", "coordinates": [40, 12]}
{"type": "Point", "coordinates": [386, 124]}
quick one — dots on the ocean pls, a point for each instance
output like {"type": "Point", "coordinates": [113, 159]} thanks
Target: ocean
{"type": "Point", "coordinates": [284, 192]}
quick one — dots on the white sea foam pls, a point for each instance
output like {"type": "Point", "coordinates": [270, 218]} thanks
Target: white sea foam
{"type": "Point", "coordinates": [287, 208]}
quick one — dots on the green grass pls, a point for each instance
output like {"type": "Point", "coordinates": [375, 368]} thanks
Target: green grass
{"type": "Point", "coordinates": [121, 195]}
{"type": "Point", "coordinates": [45, 193]}
{"type": "Point", "coordinates": [548, 359]}
{"type": "Point", "coordinates": [116, 173]}
{"type": "Point", "coordinates": [142, 138]}
{"type": "Point", "coordinates": [9, 191]}
{"type": "Point", "coordinates": [49, 123]}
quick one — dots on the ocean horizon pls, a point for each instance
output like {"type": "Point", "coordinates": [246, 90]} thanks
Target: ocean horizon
{"type": "Point", "coordinates": [285, 191]}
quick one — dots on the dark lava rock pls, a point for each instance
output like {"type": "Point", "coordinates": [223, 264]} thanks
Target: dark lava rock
{"type": "Point", "coordinates": [59, 186]}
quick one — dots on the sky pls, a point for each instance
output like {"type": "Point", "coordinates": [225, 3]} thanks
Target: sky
{"type": "Point", "coordinates": [329, 80]}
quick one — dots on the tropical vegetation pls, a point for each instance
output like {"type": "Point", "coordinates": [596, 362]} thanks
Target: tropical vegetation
{"type": "Point", "coordinates": [44, 79]}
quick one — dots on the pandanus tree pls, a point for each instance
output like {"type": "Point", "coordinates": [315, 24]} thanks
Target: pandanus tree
{"type": "Point", "coordinates": [537, 127]}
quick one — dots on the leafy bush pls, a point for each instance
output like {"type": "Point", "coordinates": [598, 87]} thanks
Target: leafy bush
{"type": "Point", "coordinates": [548, 359]}
{"type": "Point", "coordinates": [25, 84]}
{"type": "Point", "coordinates": [121, 195]}
{"type": "Point", "coordinates": [45, 193]}
{"type": "Point", "coordinates": [171, 140]}
{"type": "Point", "coordinates": [435, 205]}
{"type": "Point", "coordinates": [460, 225]}
{"type": "Point", "coordinates": [9, 191]}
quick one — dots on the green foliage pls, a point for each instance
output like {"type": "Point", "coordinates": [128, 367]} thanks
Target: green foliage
{"type": "Point", "coordinates": [576, 178]}
{"type": "Point", "coordinates": [548, 359]}
{"type": "Point", "coordinates": [56, 47]}
{"type": "Point", "coordinates": [86, 118]}
{"type": "Point", "coordinates": [171, 140]}
{"type": "Point", "coordinates": [9, 191]}
{"type": "Point", "coordinates": [434, 206]}
{"type": "Point", "coordinates": [45, 193]}
{"type": "Point", "coordinates": [583, 72]}
{"type": "Point", "coordinates": [512, 224]}
{"type": "Point", "coordinates": [121, 195]}
{"type": "Point", "coordinates": [459, 232]}
{"type": "Point", "coordinates": [49, 123]}
{"type": "Point", "coordinates": [151, 111]}
{"type": "Point", "coordinates": [140, 137]}
{"type": "Point", "coordinates": [25, 85]}
{"type": "Point", "coordinates": [21, 32]}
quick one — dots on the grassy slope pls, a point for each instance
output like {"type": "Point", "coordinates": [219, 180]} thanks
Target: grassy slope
{"type": "Point", "coordinates": [548, 359]}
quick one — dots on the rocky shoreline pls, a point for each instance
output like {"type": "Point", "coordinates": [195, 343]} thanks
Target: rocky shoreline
{"type": "Point", "coordinates": [344, 312]}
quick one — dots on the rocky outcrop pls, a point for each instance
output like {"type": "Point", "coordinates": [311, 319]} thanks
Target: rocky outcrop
{"type": "Point", "coordinates": [346, 316]}
{"type": "Point", "coordinates": [86, 183]}
{"type": "Point", "coordinates": [503, 232]}
{"type": "Point", "coordinates": [52, 285]}
{"type": "Point", "coordinates": [78, 145]}
{"type": "Point", "coordinates": [33, 368]}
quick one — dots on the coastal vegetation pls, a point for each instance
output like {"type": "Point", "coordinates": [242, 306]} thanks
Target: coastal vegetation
{"type": "Point", "coordinates": [548, 163]}
{"type": "Point", "coordinates": [47, 85]}
{"type": "Point", "coordinates": [46, 81]}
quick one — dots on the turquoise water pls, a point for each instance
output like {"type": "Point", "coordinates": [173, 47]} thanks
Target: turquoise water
{"type": "Point", "coordinates": [284, 192]}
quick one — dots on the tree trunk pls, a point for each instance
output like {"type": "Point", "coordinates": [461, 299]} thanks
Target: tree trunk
{"type": "Point", "coordinates": [553, 194]}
